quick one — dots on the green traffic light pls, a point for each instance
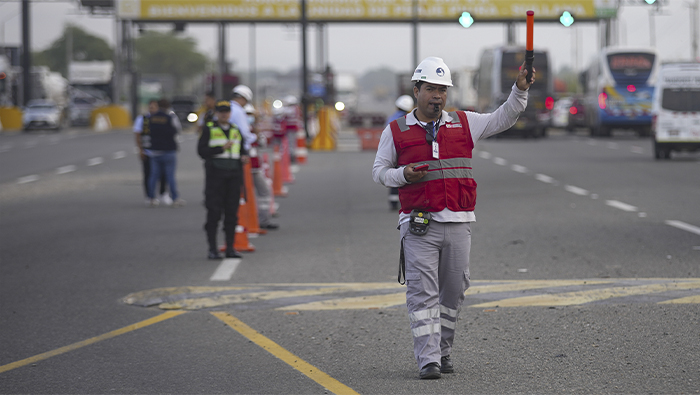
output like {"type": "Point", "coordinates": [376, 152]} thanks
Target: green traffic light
{"type": "Point", "coordinates": [466, 19]}
{"type": "Point", "coordinates": [650, 1]}
{"type": "Point", "coordinates": [566, 19]}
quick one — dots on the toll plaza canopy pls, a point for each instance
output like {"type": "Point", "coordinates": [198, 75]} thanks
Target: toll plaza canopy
{"type": "Point", "coordinates": [361, 10]}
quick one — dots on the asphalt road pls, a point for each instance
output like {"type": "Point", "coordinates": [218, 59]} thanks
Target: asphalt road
{"type": "Point", "coordinates": [585, 267]}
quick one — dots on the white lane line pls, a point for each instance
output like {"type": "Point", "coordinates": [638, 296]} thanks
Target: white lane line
{"type": "Point", "coordinates": [95, 161]}
{"type": "Point", "coordinates": [27, 179]}
{"type": "Point", "coordinates": [119, 155]}
{"type": "Point", "coordinates": [620, 205]}
{"type": "Point", "coordinates": [612, 145]}
{"type": "Point", "coordinates": [576, 190]}
{"type": "Point", "coordinates": [500, 161]}
{"type": "Point", "coordinates": [225, 270]}
{"type": "Point", "coordinates": [544, 178]}
{"type": "Point", "coordinates": [637, 150]}
{"type": "Point", "coordinates": [519, 169]}
{"type": "Point", "coordinates": [484, 155]}
{"type": "Point", "coordinates": [66, 169]}
{"type": "Point", "coordinates": [684, 226]}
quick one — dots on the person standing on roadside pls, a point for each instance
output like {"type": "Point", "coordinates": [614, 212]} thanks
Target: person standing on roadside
{"type": "Point", "coordinates": [404, 104]}
{"type": "Point", "coordinates": [240, 96]}
{"type": "Point", "coordinates": [164, 127]}
{"type": "Point", "coordinates": [427, 155]}
{"type": "Point", "coordinates": [222, 147]}
{"type": "Point", "coordinates": [209, 111]}
{"type": "Point", "coordinates": [142, 135]}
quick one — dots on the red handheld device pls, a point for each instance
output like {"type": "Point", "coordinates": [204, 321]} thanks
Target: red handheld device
{"type": "Point", "coordinates": [422, 167]}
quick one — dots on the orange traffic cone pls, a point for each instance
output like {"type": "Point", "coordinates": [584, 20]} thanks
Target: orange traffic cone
{"type": "Point", "coordinates": [301, 150]}
{"type": "Point", "coordinates": [249, 218]}
{"type": "Point", "coordinates": [278, 189]}
{"type": "Point", "coordinates": [240, 241]}
{"type": "Point", "coordinates": [287, 176]}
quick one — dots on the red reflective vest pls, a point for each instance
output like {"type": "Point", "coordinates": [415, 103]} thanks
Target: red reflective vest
{"type": "Point", "coordinates": [449, 182]}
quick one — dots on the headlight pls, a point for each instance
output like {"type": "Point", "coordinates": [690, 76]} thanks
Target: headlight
{"type": "Point", "coordinates": [192, 117]}
{"type": "Point", "coordinates": [340, 106]}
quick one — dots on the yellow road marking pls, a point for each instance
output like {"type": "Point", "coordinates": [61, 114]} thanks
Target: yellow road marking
{"type": "Point", "coordinates": [581, 297]}
{"type": "Point", "coordinates": [75, 346]}
{"type": "Point", "coordinates": [292, 360]}
{"type": "Point", "coordinates": [395, 299]}
{"type": "Point", "coordinates": [359, 302]}
{"type": "Point", "coordinates": [687, 299]}
{"type": "Point", "coordinates": [202, 303]}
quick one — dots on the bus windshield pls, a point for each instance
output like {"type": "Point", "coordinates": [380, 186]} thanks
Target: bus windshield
{"type": "Point", "coordinates": [511, 62]}
{"type": "Point", "coordinates": [681, 99]}
{"type": "Point", "coordinates": [631, 67]}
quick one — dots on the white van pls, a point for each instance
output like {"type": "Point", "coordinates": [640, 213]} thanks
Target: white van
{"type": "Point", "coordinates": [676, 109]}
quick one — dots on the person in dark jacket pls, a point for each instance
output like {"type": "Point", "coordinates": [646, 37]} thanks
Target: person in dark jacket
{"type": "Point", "coordinates": [222, 147]}
{"type": "Point", "coordinates": [164, 127]}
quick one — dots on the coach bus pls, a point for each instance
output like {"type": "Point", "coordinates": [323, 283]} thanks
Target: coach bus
{"type": "Point", "coordinates": [619, 85]}
{"type": "Point", "coordinates": [497, 72]}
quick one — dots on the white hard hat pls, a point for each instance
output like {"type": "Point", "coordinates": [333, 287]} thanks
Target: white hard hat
{"type": "Point", "coordinates": [244, 92]}
{"type": "Point", "coordinates": [249, 109]}
{"type": "Point", "coordinates": [405, 103]}
{"type": "Point", "coordinates": [433, 70]}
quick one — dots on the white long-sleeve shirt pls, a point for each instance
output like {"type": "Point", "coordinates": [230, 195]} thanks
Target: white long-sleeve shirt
{"type": "Point", "coordinates": [481, 126]}
{"type": "Point", "coordinates": [239, 118]}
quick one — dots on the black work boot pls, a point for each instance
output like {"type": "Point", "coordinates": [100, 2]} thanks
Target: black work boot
{"type": "Point", "coordinates": [446, 365]}
{"type": "Point", "coordinates": [230, 252]}
{"type": "Point", "coordinates": [213, 248]}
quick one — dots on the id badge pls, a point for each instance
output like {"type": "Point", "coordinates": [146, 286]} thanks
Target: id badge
{"type": "Point", "coordinates": [436, 150]}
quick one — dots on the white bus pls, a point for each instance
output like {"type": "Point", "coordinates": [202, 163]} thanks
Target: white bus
{"type": "Point", "coordinates": [676, 109]}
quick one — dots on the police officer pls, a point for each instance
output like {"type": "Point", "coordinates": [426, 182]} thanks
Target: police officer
{"type": "Point", "coordinates": [437, 203]}
{"type": "Point", "coordinates": [222, 147]}
{"type": "Point", "coordinates": [404, 104]}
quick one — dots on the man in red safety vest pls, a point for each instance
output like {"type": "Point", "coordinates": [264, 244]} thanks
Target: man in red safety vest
{"type": "Point", "coordinates": [427, 155]}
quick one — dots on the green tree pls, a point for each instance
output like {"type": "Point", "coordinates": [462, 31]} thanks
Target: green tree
{"type": "Point", "coordinates": [85, 46]}
{"type": "Point", "coordinates": [164, 53]}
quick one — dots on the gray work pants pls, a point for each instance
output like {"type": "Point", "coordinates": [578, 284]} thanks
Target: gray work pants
{"type": "Point", "coordinates": [437, 275]}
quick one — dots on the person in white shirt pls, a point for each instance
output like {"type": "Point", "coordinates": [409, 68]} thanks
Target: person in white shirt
{"type": "Point", "coordinates": [427, 155]}
{"type": "Point", "coordinates": [242, 95]}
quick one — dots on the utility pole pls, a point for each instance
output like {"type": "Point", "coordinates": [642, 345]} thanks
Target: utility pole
{"type": "Point", "coordinates": [694, 16]}
{"type": "Point", "coordinates": [415, 34]}
{"type": "Point", "coordinates": [26, 55]}
{"type": "Point", "coordinates": [304, 71]}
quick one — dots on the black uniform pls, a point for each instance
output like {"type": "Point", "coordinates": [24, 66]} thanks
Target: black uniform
{"type": "Point", "coordinates": [222, 189]}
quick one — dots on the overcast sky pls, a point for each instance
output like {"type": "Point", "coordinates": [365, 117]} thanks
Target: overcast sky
{"type": "Point", "coordinates": [358, 48]}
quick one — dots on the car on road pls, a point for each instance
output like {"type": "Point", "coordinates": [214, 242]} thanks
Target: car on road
{"type": "Point", "coordinates": [42, 114]}
{"type": "Point", "coordinates": [560, 112]}
{"type": "Point", "coordinates": [185, 107]}
{"type": "Point", "coordinates": [577, 114]}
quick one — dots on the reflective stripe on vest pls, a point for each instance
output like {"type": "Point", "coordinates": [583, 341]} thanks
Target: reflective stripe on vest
{"type": "Point", "coordinates": [218, 138]}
